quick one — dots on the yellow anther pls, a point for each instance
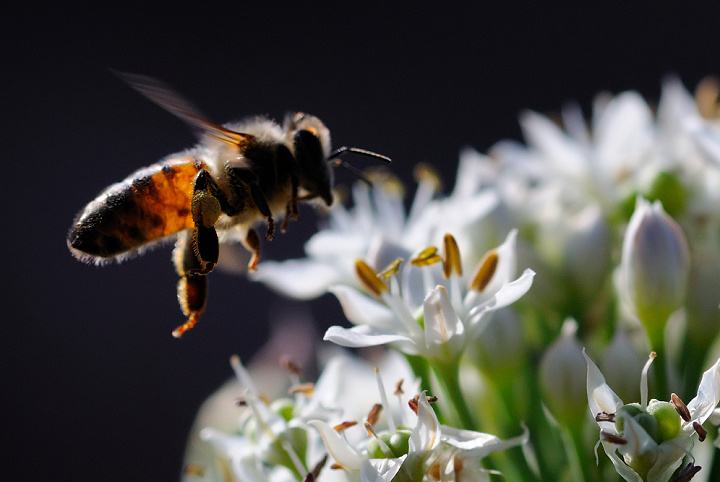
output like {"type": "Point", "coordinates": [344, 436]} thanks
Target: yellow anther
{"type": "Point", "coordinates": [425, 173]}
{"type": "Point", "coordinates": [374, 414]}
{"type": "Point", "coordinates": [451, 260]}
{"type": "Point", "coordinates": [707, 97]}
{"type": "Point", "coordinates": [342, 426]}
{"type": "Point", "coordinates": [427, 257]}
{"type": "Point", "coordinates": [306, 389]}
{"type": "Point", "coordinates": [389, 183]}
{"type": "Point", "coordinates": [391, 269]}
{"type": "Point", "coordinates": [485, 271]}
{"type": "Point", "coordinates": [434, 471]}
{"type": "Point", "coordinates": [369, 278]}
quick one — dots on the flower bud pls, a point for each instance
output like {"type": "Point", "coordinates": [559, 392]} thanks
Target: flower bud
{"type": "Point", "coordinates": [622, 366]}
{"type": "Point", "coordinates": [655, 265]}
{"type": "Point", "coordinates": [563, 376]}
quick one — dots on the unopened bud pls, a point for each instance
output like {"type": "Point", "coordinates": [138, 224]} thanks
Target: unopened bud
{"type": "Point", "coordinates": [655, 265]}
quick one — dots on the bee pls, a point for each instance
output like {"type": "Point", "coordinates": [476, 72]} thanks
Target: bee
{"type": "Point", "coordinates": [237, 176]}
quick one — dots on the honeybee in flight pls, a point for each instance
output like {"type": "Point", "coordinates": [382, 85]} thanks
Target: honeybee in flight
{"type": "Point", "coordinates": [238, 175]}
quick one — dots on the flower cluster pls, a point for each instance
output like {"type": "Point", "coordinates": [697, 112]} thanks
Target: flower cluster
{"type": "Point", "coordinates": [596, 239]}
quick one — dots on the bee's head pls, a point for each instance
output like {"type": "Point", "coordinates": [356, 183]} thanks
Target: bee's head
{"type": "Point", "coordinates": [311, 144]}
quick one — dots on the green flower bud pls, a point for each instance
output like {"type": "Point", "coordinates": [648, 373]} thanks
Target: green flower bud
{"type": "Point", "coordinates": [398, 442]}
{"type": "Point", "coordinates": [283, 407]}
{"type": "Point", "coordinates": [649, 424]}
{"type": "Point", "coordinates": [631, 410]}
{"type": "Point", "coordinates": [275, 454]}
{"type": "Point", "coordinates": [668, 420]}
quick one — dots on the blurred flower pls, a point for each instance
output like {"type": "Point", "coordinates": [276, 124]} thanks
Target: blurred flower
{"type": "Point", "coordinates": [622, 364]}
{"type": "Point", "coordinates": [651, 438]}
{"type": "Point", "coordinates": [562, 377]}
{"type": "Point", "coordinates": [655, 265]}
{"type": "Point", "coordinates": [378, 229]}
{"type": "Point", "coordinates": [426, 314]}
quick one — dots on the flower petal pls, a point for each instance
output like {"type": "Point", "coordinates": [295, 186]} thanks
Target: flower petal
{"type": "Point", "coordinates": [477, 444]}
{"type": "Point", "coordinates": [426, 434]}
{"type": "Point", "coordinates": [361, 336]}
{"type": "Point", "coordinates": [601, 398]}
{"type": "Point", "coordinates": [297, 278]}
{"type": "Point", "coordinates": [708, 396]}
{"type": "Point", "coordinates": [338, 448]}
{"type": "Point", "coordinates": [381, 470]}
{"type": "Point", "coordinates": [361, 309]}
{"type": "Point", "coordinates": [621, 467]}
{"type": "Point", "coordinates": [442, 325]}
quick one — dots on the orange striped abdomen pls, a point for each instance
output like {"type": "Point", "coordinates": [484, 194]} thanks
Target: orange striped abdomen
{"type": "Point", "coordinates": [150, 205]}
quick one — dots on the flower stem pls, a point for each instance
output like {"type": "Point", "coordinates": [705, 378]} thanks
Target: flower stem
{"type": "Point", "coordinates": [659, 369]}
{"type": "Point", "coordinates": [448, 375]}
{"type": "Point", "coordinates": [574, 449]}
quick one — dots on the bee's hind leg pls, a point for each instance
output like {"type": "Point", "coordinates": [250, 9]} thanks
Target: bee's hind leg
{"type": "Point", "coordinates": [206, 209]}
{"type": "Point", "coordinates": [291, 209]}
{"type": "Point", "coordinates": [192, 287]}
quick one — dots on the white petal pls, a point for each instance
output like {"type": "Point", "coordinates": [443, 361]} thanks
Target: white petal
{"type": "Point", "coordinates": [361, 336]}
{"type": "Point", "coordinates": [338, 448]}
{"type": "Point", "coordinates": [669, 457]}
{"type": "Point", "coordinates": [297, 278]}
{"type": "Point", "coordinates": [426, 434]}
{"type": "Point", "coordinates": [621, 467]}
{"type": "Point", "coordinates": [708, 396]}
{"type": "Point", "coordinates": [331, 245]}
{"type": "Point", "coordinates": [441, 322]}
{"type": "Point", "coordinates": [478, 444]}
{"type": "Point", "coordinates": [381, 470]}
{"type": "Point", "coordinates": [506, 296]}
{"type": "Point", "coordinates": [638, 440]}
{"type": "Point", "coordinates": [361, 309]}
{"type": "Point", "coordinates": [601, 398]}
{"type": "Point", "coordinates": [558, 149]}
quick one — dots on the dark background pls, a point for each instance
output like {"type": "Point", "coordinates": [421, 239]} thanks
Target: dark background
{"type": "Point", "coordinates": [96, 389]}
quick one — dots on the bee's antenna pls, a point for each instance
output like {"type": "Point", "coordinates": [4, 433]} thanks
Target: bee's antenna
{"type": "Point", "coordinates": [356, 150]}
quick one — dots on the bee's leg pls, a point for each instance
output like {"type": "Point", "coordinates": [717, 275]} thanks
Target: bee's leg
{"type": "Point", "coordinates": [192, 286]}
{"type": "Point", "coordinates": [252, 243]}
{"type": "Point", "coordinates": [246, 177]}
{"type": "Point", "coordinates": [206, 209]}
{"type": "Point", "coordinates": [291, 209]}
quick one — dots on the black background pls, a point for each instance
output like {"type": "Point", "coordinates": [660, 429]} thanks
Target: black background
{"type": "Point", "coordinates": [96, 389]}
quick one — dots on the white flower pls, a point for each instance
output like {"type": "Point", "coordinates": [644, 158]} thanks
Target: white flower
{"type": "Point", "coordinates": [648, 441]}
{"type": "Point", "coordinates": [378, 229]}
{"type": "Point", "coordinates": [432, 311]}
{"type": "Point", "coordinates": [428, 448]}
{"type": "Point", "coordinates": [655, 265]}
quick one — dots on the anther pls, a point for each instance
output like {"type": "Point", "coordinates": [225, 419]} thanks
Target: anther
{"type": "Point", "coordinates": [702, 433]}
{"type": "Point", "coordinates": [485, 271]}
{"type": "Point", "coordinates": [413, 404]}
{"type": "Point", "coordinates": [336, 466]}
{"type": "Point", "coordinates": [194, 470]}
{"type": "Point", "coordinates": [306, 389]}
{"type": "Point", "coordinates": [374, 414]}
{"type": "Point", "coordinates": [315, 472]}
{"type": "Point", "coordinates": [686, 473]}
{"type": "Point", "coordinates": [289, 365]}
{"type": "Point", "coordinates": [399, 387]}
{"type": "Point", "coordinates": [451, 260]}
{"type": "Point", "coordinates": [433, 471]}
{"type": "Point", "coordinates": [425, 173]}
{"type": "Point", "coordinates": [612, 438]}
{"type": "Point", "coordinates": [680, 406]}
{"type": "Point", "coordinates": [605, 417]}
{"type": "Point", "coordinates": [391, 269]}
{"type": "Point", "coordinates": [458, 465]}
{"type": "Point", "coordinates": [426, 257]}
{"type": "Point", "coordinates": [342, 426]}
{"type": "Point", "coordinates": [241, 402]}
{"type": "Point", "coordinates": [369, 279]}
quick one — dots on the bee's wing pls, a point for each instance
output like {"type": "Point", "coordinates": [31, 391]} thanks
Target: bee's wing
{"type": "Point", "coordinates": [167, 98]}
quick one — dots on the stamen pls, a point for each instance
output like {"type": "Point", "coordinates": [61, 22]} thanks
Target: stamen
{"type": "Point", "coordinates": [425, 173]}
{"type": "Point", "coordinates": [342, 426]}
{"type": "Point", "coordinates": [413, 404]}
{"type": "Point", "coordinates": [458, 465]}
{"type": "Point", "coordinates": [374, 414]}
{"type": "Point", "coordinates": [451, 260]}
{"type": "Point", "coordinates": [306, 389]}
{"type": "Point", "coordinates": [433, 471]}
{"type": "Point", "coordinates": [288, 364]}
{"type": "Point", "coordinates": [315, 472]}
{"type": "Point", "coordinates": [485, 271]}
{"type": "Point", "coordinates": [399, 387]}
{"type": "Point", "coordinates": [391, 269]}
{"type": "Point", "coordinates": [241, 402]}
{"type": "Point", "coordinates": [686, 473]}
{"type": "Point", "coordinates": [707, 97]}
{"type": "Point", "coordinates": [384, 400]}
{"type": "Point", "coordinates": [680, 406]}
{"type": "Point", "coordinates": [194, 470]}
{"type": "Point", "coordinates": [369, 279]}
{"type": "Point", "coordinates": [702, 433]}
{"type": "Point", "coordinates": [336, 466]}
{"type": "Point", "coordinates": [644, 381]}
{"type": "Point", "coordinates": [426, 257]}
{"type": "Point", "coordinates": [294, 458]}
{"type": "Point", "coordinates": [383, 446]}
{"type": "Point", "coordinates": [605, 417]}
{"type": "Point", "coordinates": [612, 438]}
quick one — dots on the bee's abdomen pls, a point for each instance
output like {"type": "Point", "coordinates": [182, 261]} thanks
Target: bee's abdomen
{"type": "Point", "coordinates": [147, 207]}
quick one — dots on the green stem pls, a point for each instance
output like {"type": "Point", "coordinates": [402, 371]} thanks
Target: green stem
{"type": "Point", "coordinates": [421, 369]}
{"type": "Point", "coordinates": [574, 449]}
{"type": "Point", "coordinates": [448, 375]}
{"type": "Point", "coordinates": [659, 368]}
